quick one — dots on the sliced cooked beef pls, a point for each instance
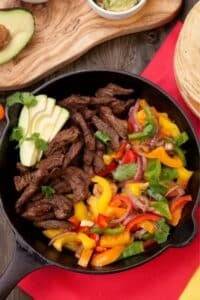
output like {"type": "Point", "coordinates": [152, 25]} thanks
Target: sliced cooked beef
{"type": "Point", "coordinates": [112, 90]}
{"type": "Point", "coordinates": [88, 113]}
{"type": "Point", "coordinates": [62, 203]}
{"type": "Point", "coordinates": [22, 169]}
{"type": "Point", "coordinates": [74, 102]}
{"type": "Point", "coordinates": [98, 161]}
{"type": "Point", "coordinates": [72, 153]}
{"type": "Point", "coordinates": [120, 106]}
{"type": "Point", "coordinates": [88, 136]}
{"type": "Point", "coordinates": [54, 224]}
{"type": "Point", "coordinates": [102, 100]}
{"type": "Point", "coordinates": [47, 216]}
{"type": "Point", "coordinates": [79, 183]}
{"type": "Point", "coordinates": [51, 162]}
{"type": "Point", "coordinates": [104, 127]}
{"type": "Point", "coordinates": [121, 126]}
{"type": "Point", "coordinates": [88, 157]}
{"type": "Point", "coordinates": [62, 186]}
{"type": "Point", "coordinates": [88, 170]}
{"type": "Point", "coordinates": [35, 177]}
{"type": "Point", "coordinates": [61, 140]}
{"type": "Point", "coordinates": [26, 196]}
{"type": "Point", "coordinates": [37, 211]}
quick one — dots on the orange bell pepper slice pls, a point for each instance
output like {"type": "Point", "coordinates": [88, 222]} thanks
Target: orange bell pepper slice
{"type": "Point", "coordinates": [85, 256]}
{"type": "Point", "coordinates": [107, 257]}
{"type": "Point", "coordinates": [161, 154]}
{"type": "Point", "coordinates": [176, 208]}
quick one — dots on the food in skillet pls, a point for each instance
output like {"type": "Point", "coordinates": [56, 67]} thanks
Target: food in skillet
{"type": "Point", "coordinates": [111, 183]}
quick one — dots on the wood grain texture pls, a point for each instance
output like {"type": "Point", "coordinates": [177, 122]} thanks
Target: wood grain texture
{"type": "Point", "coordinates": [67, 29]}
{"type": "Point", "coordinates": [130, 53]}
{"type": "Point", "coordinates": [187, 54]}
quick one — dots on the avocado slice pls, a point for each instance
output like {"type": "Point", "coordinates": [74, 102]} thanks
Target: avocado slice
{"type": "Point", "coordinates": [20, 26]}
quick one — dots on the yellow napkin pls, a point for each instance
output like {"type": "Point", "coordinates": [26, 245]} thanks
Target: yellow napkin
{"type": "Point", "coordinates": [192, 290]}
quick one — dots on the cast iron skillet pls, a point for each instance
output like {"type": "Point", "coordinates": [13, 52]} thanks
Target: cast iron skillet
{"type": "Point", "coordinates": [31, 250]}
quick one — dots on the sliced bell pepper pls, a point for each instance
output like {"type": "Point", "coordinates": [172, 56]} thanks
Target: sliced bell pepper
{"type": "Point", "coordinates": [141, 117]}
{"type": "Point", "coordinates": [107, 159]}
{"type": "Point", "coordinates": [94, 236]}
{"type": "Point", "coordinates": [162, 208]}
{"type": "Point", "coordinates": [125, 172]}
{"type": "Point", "coordinates": [75, 221]}
{"type": "Point", "coordinates": [184, 176]}
{"type": "Point", "coordinates": [110, 241]}
{"type": "Point", "coordinates": [85, 256]}
{"type": "Point", "coordinates": [115, 212]}
{"type": "Point", "coordinates": [136, 189]}
{"type": "Point", "coordinates": [176, 207]}
{"type": "Point", "coordinates": [63, 241]}
{"type": "Point", "coordinates": [135, 222]}
{"type": "Point", "coordinates": [108, 231]}
{"type": "Point", "coordinates": [108, 169]}
{"type": "Point", "coordinates": [149, 226]}
{"type": "Point", "coordinates": [161, 154]}
{"type": "Point", "coordinates": [102, 221]}
{"type": "Point", "coordinates": [80, 211]}
{"type": "Point", "coordinates": [100, 204]}
{"type": "Point", "coordinates": [107, 257]}
{"type": "Point", "coordinates": [119, 154]}
{"type": "Point", "coordinates": [86, 241]}
{"type": "Point", "coordinates": [153, 169]}
{"type": "Point", "coordinates": [129, 157]}
{"type": "Point", "coordinates": [119, 200]}
{"type": "Point", "coordinates": [167, 127]}
{"type": "Point", "coordinates": [135, 248]}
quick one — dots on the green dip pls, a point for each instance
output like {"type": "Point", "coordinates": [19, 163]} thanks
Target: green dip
{"type": "Point", "coordinates": [117, 5]}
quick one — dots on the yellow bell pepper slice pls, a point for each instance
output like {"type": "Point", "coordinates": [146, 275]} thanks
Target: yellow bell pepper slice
{"type": "Point", "coordinates": [161, 154]}
{"type": "Point", "coordinates": [61, 242]}
{"type": "Point", "coordinates": [107, 159]}
{"type": "Point", "coordinates": [109, 241]}
{"type": "Point", "coordinates": [136, 188]}
{"type": "Point", "coordinates": [86, 241]}
{"type": "Point", "coordinates": [167, 127]}
{"type": "Point", "coordinates": [99, 204]}
{"type": "Point", "coordinates": [107, 257]}
{"type": "Point", "coordinates": [148, 226]}
{"type": "Point", "coordinates": [184, 176]}
{"type": "Point", "coordinates": [141, 117]}
{"type": "Point", "coordinates": [80, 211]}
{"type": "Point", "coordinates": [85, 256]}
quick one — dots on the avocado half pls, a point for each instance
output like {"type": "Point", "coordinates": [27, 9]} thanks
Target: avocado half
{"type": "Point", "coordinates": [20, 27]}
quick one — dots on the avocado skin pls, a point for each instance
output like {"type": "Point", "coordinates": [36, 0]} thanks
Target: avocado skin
{"type": "Point", "coordinates": [10, 12]}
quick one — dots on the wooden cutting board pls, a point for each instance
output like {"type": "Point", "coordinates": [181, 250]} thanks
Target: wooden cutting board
{"type": "Point", "coordinates": [66, 29]}
{"type": "Point", "coordinates": [187, 58]}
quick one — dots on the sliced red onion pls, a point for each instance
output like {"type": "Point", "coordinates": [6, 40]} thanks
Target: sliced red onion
{"type": "Point", "coordinates": [141, 203]}
{"type": "Point", "coordinates": [175, 192]}
{"type": "Point", "coordinates": [60, 235]}
{"type": "Point", "coordinates": [140, 170]}
{"type": "Point", "coordinates": [122, 218]}
{"type": "Point", "coordinates": [128, 219]}
{"type": "Point", "coordinates": [133, 118]}
{"type": "Point", "coordinates": [139, 233]}
{"type": "Point", "coordinates": [144, 162]}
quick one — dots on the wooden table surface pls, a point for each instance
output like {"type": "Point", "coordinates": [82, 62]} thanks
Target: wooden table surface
{"type": "Point", "coordinates": [131, 53]}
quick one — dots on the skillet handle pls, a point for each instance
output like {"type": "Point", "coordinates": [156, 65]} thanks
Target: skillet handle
{"type": "Point", "coordinates": [21, 264]}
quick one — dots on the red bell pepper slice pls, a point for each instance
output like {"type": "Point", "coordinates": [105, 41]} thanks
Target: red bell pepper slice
{"type": "Point", "coordinates": [180, 202]}
{"type": "Point", "coordinates": [108, 169]}
{"type": "Point", "coordinates": [119, 199]}
{"type": "Point", "coordinates": [94, 236]}
{"type": "Point", "coordinates": [119, 154]}
{"type": "Point", "coordinates": [74, 221]}
{"type": "Point", "coordinates": [129, 157]}
{"type": "Point", "coordinates": [133, 224]}
{"type": "Point", "coordinates": [102, 221]}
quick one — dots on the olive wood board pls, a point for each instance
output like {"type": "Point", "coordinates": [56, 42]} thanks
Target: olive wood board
{"type": "Point", "coordinates": [66, 29]}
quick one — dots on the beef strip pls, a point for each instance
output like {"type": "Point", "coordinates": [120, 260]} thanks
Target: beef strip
{"type": "Point", "coordinates": [61, 187]}
{"type": "Point", "coordinates": [88, 113]}
{"type": "Point", "coordinates": [121, 126]}
{"type": "Point", "coordinates": [88, 157]}
{"type": "Point", "coordinates": [74, 102]}
{"type": "Point", "coordinates": [35, 177]}
{"type": "Point", "coordinates": [98, 158]}
{"type": "Point", "coordinates": [37, 211]}
{"type": "Point", "coordinates": [22, 169]}
{"type": "Point", "coordinates": [62, 139]}
{"type": "Point", "coordinates": [88, 170]}
{"type": "Point", "coordinates": [112, 90]}
{"type": "Point", "coordinates": [72, 153]}
{"type": "Point", "coordinates": [88, 136]}
{"type": "Point", "coordinates": [26, 196]}
{"type": "Point", "coordinates": [104, 127]}
{"type": "Point", "coordinates": [51, 162]}
{"type": "Point", "coordinates": [102, 100]}
{"type": "Point", "coordinates": [79, 183]}
{"type": "Point", "coordinates": [63, 205]}
{"type": "Point", "coordinates": [120, 106]}
{"type": "Point", "coordinates": [54, 224]}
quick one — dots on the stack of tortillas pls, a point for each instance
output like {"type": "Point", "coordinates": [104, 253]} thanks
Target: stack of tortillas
{"type": "Point", "coordinates": [187, 60]}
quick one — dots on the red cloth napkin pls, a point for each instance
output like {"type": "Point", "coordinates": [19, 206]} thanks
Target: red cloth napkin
{"type": "Point", "coordinates": [164, 277]}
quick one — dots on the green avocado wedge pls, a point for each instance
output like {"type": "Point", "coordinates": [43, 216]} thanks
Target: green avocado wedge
{"type": "Point", "coordinates": [20, 24]}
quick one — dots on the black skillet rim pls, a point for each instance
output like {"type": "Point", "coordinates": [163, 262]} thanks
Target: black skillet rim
{"type": "Point", "coordinates": [20, 240]}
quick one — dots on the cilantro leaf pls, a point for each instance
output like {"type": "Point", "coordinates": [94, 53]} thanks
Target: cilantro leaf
{"type": "Point", "coordinates": [47, 191]}
{"type": "Point", "coordinates": [162, 232]}
{"type": "Point", "coordinates": [24, 98]}
{"type": "Point", "coordinates": [39, 142]}
{"type": "Point", "coordinates": [17, 134]}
